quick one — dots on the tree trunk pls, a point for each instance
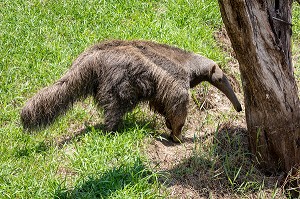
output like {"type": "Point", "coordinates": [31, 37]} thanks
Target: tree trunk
{"type": "Point", "coordinates": [260, 33]}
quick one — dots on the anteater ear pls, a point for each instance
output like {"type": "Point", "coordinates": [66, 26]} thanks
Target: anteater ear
{"type": "Point", "coordinates": [216, 73]}
{"type": "Point", "coordinates": [213, 70]}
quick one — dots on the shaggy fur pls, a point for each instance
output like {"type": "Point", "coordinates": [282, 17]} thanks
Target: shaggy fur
{"type": "Point", "coordinates": [119, 75]}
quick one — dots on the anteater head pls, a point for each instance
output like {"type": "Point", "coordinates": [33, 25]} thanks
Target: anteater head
{"type": "Point", "coordinates": [220, 81]}
{"type": "Point", "coordinates": [204, 69]}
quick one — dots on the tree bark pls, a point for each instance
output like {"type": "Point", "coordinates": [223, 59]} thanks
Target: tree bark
{"type": "Point", "coordinates": [260, 33]}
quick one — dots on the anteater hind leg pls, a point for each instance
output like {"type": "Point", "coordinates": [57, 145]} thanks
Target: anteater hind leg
{"type": "Point", "coordinates": [115, 108]}
{"type": "Point", "coordinates": [112, 118]}
{"type": "Point", "coordinates": [114, 115]}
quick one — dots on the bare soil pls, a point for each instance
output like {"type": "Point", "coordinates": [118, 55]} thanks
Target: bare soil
{"type": "Point", "coordinates": [189, 172]}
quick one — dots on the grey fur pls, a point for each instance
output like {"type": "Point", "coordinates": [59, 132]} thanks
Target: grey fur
{"type": "Point", "coordinates": [119, 75]}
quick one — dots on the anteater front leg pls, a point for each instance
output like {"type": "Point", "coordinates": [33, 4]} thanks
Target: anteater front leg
{"type": "Point", "coordinates": [176, 118]}
{"type": "Point", "coordinates": [177, 122]}
{"type": "Point", "coordinates": [160, 108]}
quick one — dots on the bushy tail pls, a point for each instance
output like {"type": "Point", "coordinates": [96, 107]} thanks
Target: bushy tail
{"type": "Point", "coordinates": [50, 102]}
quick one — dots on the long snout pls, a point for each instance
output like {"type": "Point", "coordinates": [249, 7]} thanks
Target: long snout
{"type": "Point", "coordinates": [224, 86]}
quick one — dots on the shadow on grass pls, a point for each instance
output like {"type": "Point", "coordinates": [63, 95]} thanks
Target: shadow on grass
{"type": "Point", "coordinates": [131, 121]}
{"type": "Point", "coordinates": [222, 167]}
{"type": "Point", "coordinates": [26, 151]}
{"type": "Point", "coordinates": [108, 183]}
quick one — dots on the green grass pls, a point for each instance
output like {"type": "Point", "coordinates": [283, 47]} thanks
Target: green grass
{"type": "Point", "coordinates": [38, 41]}
{"type": "Point", "coordinates": [296, 43]}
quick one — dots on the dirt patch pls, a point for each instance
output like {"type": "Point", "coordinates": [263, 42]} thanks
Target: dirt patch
{"type": "Point", "coordinates": [223, 41]}
{"type": "Point", "coordinates": [189, 164]}
{"type": "Point", "coordinates": [211, 164]}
